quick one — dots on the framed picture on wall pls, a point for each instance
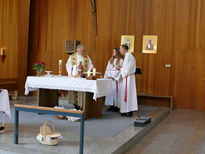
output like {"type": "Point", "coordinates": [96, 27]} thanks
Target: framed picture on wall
{"type": "Point", "coordinates": [149, 44]}
{"type": "Point", "coordinates": [129, 40]}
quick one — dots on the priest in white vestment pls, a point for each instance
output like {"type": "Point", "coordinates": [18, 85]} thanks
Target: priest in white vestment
{"type": "Point", "coordinates": [128, 93]}
{"type": "Point", "coordinates": [113, 100]}
{"type": "Point", "coordinates": [83, 62]}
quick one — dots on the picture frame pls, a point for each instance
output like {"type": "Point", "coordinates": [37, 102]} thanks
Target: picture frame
{"type": "Point", "coordinates": [129, 40]}
{"type": "Point", "coordinates": [149, 44]}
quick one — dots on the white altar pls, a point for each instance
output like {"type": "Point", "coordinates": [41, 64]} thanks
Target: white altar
{"type": "Point", "coordinates": [99, 88]}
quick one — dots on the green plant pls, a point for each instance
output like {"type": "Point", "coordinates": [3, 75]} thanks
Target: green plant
{"type": "Point", "coordinates": [39, 66]}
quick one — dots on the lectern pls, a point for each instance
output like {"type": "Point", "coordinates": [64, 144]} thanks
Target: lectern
{"type": "Point", "coordinates": [138, 71]}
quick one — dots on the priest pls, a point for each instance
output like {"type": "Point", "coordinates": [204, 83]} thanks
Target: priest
{"type": "Point", "coordinates": [84, 63]}
{"type": "Point", "coordinates": [128, 93]}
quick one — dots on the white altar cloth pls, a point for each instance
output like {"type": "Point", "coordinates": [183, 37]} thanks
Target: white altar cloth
{"type": "Point", "coordinates": [4, 102]}
{"type": "Point", "coordinates": [99, 87]}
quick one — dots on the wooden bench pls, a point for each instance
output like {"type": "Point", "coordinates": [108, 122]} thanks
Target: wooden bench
{"type": "Point", "coordinates": [48, 110]}
{"type": "Point", "coordinates": [170, 98]}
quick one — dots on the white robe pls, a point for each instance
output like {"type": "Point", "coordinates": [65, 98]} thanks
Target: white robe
{"type": "Point", "coordinates": [69, 67]}
{"type": "Point", "coordinates": [80, 58]}
{"type": "Point", "coordinates": [115, 97]}
{"type": "Point", "coordinates": [128, 69]}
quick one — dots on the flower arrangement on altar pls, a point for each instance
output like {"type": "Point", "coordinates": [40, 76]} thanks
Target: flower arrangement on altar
{"type": "Point", "coordinates": [39, 66]}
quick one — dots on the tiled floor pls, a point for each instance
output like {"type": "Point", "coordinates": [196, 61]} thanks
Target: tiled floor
{"type": "Point", "coordinates": [181, 132]}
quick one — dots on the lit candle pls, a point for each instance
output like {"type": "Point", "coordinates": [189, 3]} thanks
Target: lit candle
{"type": "Point", "coordinates": [88, 73]}
{"type": "Point", "coordinates": [60, 67]}
{"type": "Point", "coordinates": [2, 51]}
{"type": "Point", "coordinates": [94, 72]}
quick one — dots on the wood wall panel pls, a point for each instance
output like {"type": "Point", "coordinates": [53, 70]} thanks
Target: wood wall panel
{"type": "Point", "coordinates": [201, 31]}
{"type": "Point", "coordinates": [179, 25]}
{"type": "Point", "coordinates": [22, 42]}
{"type": "Point", "coordinates": [188, 20]}
{"type": "Point", "coordinates": [8, 35]}
{"type": "Point", "coordinates": [154, 64]}
{"type": "Point", "coordinates": [189, 85]}
{"type": "Point", "coordinates": [14, 19]}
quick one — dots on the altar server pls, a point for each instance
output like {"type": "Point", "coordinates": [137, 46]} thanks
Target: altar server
{"type": "Point", "coordinates": [83, 62]}
{"type": "Point", "coordinates": [113, 100]}
{"type": "Point", "coordinates": [128, 93]}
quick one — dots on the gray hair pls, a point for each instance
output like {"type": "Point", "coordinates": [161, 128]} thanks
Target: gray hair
{"type": "Point", "coordinates": [79, 47]}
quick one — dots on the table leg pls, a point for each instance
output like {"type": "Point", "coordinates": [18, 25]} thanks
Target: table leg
{"type": "Point", "coordinates": [91, 108]}
{"type": "Point", "coordinates": [16, 126]}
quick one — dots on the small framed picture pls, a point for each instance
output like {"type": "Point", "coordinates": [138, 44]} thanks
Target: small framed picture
{"type": "Point", "coordinates": [129, 40]}
{"type": "Point", "coordinates": [149, 44]}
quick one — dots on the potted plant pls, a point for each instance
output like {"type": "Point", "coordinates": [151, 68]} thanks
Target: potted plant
{"type": "Point", "coordinates": [39, 66]}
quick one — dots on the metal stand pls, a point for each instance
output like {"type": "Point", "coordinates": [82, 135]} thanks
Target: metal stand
{"type": "Point", "coordinates": [47, 110]}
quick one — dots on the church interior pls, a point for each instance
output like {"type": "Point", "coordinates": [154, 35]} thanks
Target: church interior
{"type": "Point", "coordinates": [42, 80]}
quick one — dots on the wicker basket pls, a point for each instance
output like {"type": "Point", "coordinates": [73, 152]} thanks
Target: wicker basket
{"type": "Point", "coordinates": [49, 136]}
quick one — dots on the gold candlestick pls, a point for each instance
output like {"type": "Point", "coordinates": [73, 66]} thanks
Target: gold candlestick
{"type": "Point", "coordinates": [94, 71]}
{"type": "Point", "coordinates": [2, 55]}
{"type": "Point", "coordinates": [60, 67]}
{"type": "Point", "coordinates": [2, 52]}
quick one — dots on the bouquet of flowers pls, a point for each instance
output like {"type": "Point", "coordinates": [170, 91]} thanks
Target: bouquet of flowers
{"type": "Point", "coordinates": [39, 66]}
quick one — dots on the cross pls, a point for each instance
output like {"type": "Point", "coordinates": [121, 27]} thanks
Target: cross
{"type": "Point", "coordinates": [93, 5]}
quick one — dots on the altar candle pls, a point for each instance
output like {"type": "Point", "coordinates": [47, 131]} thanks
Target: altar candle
{"type": "Point", "coordinates": [2, 51]}
{"type": "Point", "coordinates": [94, 72]}
{"type": "Point", "coordinates": [75, 70]}
{"type": "Point", "coordinates": [60, 67]}
{"type": "Point", "coordinates": [88, 73]}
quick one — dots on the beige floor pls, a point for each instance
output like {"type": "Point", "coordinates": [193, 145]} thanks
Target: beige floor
{"type": "Point", "coordinates": [181, 132]}
{"type": "Point", "coordinates": [93, 144]}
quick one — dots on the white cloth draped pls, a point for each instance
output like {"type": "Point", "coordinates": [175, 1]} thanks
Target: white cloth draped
{"type": "Point", "coordinates": [127, 71]}
{"type": "Point", "coordinates": [115, 97]}
{"type": "Point", "coordinates": [4, 102]}
{"type": "Point", "coordinates": [99, 87]}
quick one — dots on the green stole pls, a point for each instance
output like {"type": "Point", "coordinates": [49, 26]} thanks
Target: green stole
{"type": "Point", "coordinates": [74, 61]}
{"type": "Point", "coordinates": [85, 67]}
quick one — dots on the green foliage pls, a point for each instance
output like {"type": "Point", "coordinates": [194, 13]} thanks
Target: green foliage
{"type": "Point", "coordinates": [39, 66]}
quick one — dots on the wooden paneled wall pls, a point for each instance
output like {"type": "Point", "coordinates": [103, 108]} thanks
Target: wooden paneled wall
{"type": "Point", "coordinates": [8, 37]}
{"type": "Point", "coordinates": [179, 25]}
{"type": "Point", "coordinates": [14, 24]}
